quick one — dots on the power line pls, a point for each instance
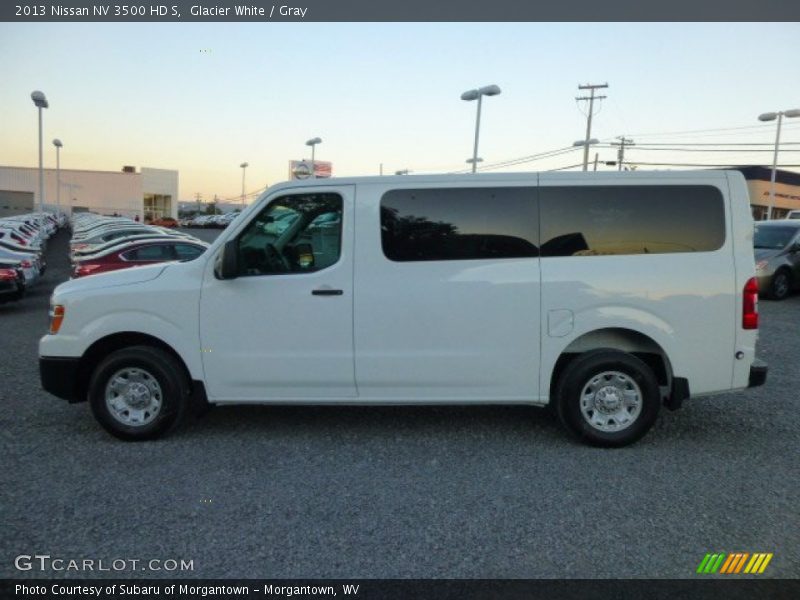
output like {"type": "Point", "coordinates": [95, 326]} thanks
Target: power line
{"type": "Point", "coordinates": [690, 131]}
{"type": "Point", "coordinates": [704, 149]}
{"type": "Point", "coordinates": [667, 164]}
{"type": "Point", "coordinates": [771, 144]}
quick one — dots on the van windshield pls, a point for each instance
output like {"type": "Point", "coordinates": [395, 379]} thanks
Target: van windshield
{"type": "Point", "coordinates": [774, 238]}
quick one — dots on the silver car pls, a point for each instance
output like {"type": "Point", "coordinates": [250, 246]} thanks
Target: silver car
{"type": "Point", "coordinates": [777, 248]}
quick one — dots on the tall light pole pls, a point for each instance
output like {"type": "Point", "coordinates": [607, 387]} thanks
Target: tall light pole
{"type": "Point", "coordinates": [313, 142]}
{"type": "Point", "coordinates": [591, 98]}
{"type": "Point", "coordinates": [57, 143]}
{"type": "Point", "coordinates": [40, 101]}
{"type": "Point", "coordinates": [244, 166]}
{"type": "Point", "coordinates": [771, 116]}
{"type": "Point", "coordinates": [586, 144]}
{"type": "Point", "coordinates": [478, 94]}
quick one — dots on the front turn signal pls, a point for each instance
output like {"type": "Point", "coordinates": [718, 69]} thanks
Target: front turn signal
{"type": "Point", "coordinates": [56, 317]}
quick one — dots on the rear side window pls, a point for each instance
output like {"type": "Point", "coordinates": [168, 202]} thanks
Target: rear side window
{"type": "Point", "coordinates": [459, 224]}
{"type": "Point", "coordinates": [187, 251]}
{"type": "Point", "coordinates": [160, 253]}
{"type": "Point", "coordinates": [602, 220]}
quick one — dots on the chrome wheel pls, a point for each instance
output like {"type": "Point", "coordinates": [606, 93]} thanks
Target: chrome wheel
{"type": "Point", "coordinates": [133, 397]}
{"type": "Point", "coordinates": [611, 401]}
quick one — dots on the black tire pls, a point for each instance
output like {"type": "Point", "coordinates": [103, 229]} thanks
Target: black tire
{"type": "Point", "coordinates": [164, 379]}
{"type": "Point", "coordinates": [585, 372]}
{"type": "Point", "coordinates": [780, 285]}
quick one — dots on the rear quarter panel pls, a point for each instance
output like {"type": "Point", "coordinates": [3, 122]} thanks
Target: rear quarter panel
{"type": "Point", "coordinates": [685, 302]}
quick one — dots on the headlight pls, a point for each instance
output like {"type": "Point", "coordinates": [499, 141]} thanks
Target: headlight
{"type": "Point", "coordinates": [761, 265]}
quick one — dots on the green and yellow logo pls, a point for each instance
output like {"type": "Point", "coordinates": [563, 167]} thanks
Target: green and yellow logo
{"type": "Point", "coordinates": [734, 563]}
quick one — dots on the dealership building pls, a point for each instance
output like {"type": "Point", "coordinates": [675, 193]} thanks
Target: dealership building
{"type": "Point", "coordinates": [787, 191]}
{"type": "Point", "coordinates": [148, 194]}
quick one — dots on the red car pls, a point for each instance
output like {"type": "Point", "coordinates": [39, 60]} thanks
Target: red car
{"type": "Point", "coordinates": [146, 252]}
{"type": "Point", "coordinates": [165, 222]}
{"type": "Point", "coordinates": [12, 283]}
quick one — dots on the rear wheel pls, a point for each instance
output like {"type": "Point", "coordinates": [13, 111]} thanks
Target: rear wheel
{"type": "Point", "coordinates": [780, 286]}
{"type": "Point", "coordinates": [138, 393]}
{"type": "Point", "coordinates": [607, 398]}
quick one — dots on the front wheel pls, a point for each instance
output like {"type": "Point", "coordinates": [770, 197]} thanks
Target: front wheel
{"type": "Point", "coordinates": [608, 398]}
{"type": "Point", "coordinates": [138, 393]}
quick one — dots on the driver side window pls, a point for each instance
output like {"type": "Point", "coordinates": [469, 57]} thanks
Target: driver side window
{"type": "Point", "coordinates": [300, 233]}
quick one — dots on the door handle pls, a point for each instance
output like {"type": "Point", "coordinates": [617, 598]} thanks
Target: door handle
{"type": "Point", "coordinates": [327, 292]}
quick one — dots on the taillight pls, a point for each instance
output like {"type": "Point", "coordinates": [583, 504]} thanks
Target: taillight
{"type": "Point", "coordinates": [56, 317]}
{"type": "Point", "coordinates": [750, 304]}
{"type": "Point", "coordinates": [83, 270]}
{"type": "Point", "coordinates": [26, 264]}
{"type": "Point", "coordinates": [7, 275]}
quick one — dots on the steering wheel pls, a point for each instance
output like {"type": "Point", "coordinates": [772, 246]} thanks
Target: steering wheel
{"type": "Point", "coordinates": [275, 259]}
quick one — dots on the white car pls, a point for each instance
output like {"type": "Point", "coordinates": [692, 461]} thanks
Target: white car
{"type": "Point", "coordinates": [607, 295]}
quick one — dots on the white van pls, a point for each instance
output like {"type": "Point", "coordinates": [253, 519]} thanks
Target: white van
{"type": "Point", "coordinates": [603, 294]}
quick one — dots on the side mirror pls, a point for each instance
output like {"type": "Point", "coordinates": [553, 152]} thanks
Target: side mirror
{"type": "Point", "coordinates": [227, 263]}
{"type": "Point", "coordinates": [304, 256]}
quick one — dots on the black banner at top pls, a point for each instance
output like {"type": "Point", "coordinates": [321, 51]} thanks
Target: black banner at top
{"type": "Point", "coordinates": [272, 11]}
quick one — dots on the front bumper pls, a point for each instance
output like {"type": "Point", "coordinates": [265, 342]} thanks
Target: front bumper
{"type": "Point", "coordinates": [758, 373]}
{"type": "Point", "coordinates": [59, 376]}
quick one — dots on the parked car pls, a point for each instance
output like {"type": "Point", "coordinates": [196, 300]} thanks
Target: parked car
{"type": "Point", "coordinates": [605, 294]}
{"type": "Point", "coordinates": [793, 214]}
{"type": "Point", "coordinates": [165, 222]}
{"type": "Point", "coordinates": [12, 283]}
{"type": "Point", "coordinates": [81, 253]}
{"type": "Point", "coordinates": [777, 251]}
{"type": "Point", "coordinates": [139, 253]}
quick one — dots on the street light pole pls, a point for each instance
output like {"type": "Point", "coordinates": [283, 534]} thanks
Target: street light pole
{"type": "Point", "coordinates": [244, 166]}
{"type": "Point", "coordinates": [57, 143]}
{"type": "Point", "coordinates": [586, 144]}
{"type": "Point", "coordinates": [313, 143]}
{"type": "Point", "coordinates": [771, 116]}
{"type": "Point", "coordinates": [40, 101]}
{"type": "Point", "coordinates": [478, 94]}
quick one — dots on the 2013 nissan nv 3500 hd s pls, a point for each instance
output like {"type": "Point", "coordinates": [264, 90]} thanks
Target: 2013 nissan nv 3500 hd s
{"type": "Point", "coordinates": [606, 295]}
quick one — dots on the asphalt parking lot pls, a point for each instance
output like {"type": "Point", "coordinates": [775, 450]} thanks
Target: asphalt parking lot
{"type": "Point", "coordinates": [434, 492]}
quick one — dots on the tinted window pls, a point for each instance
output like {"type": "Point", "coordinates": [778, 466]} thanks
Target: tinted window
{"type": "Point", "coordinates": [773, 237]}
{"type": "Point", "coordinates": [158, 253]}
{"type": "Point", "coordinates": [187, 251]}
{"type": "Point", "coordinates": [459, 224]}
{"type": "Point", "coordinates": [598, 220]}
{"type": "Point", "coordinates": [293, 234]}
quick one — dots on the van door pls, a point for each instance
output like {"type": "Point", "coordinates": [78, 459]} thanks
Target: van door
{"type": "Point", "coordinates": [283, 329]}
{"type": "Point", "coordinates": [447, 293]}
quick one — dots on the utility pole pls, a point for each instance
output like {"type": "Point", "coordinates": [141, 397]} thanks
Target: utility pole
{"type": "Point", "coordinates": [198, 196]}
{"type": "Point", "coordinates": [623, 141]}
{"type": "Point", "coordinates": [591, 98]}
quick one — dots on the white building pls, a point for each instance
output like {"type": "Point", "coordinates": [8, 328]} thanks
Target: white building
{"type": "Point", "coordinates": [150, 194]}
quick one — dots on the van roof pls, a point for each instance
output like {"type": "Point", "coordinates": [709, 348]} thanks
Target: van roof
{"type": "Point", "coordinates": [699, 175]}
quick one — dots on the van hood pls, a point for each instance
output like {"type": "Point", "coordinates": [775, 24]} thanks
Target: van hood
{"type": "Point", "coordinates": [129, 276]}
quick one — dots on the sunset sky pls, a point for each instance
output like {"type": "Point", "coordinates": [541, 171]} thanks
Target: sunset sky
{"type": "Point", "coordinates": [204, 97]}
